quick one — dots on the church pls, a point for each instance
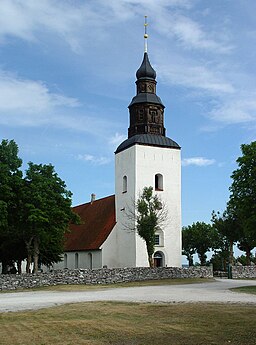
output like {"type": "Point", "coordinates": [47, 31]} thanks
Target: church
{"type": "Point", "coordinates": [146, 158]}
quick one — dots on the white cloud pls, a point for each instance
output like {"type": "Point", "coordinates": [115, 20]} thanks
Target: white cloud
{"type": "Point", "coordinates": [191, 34]}
{"type": "Point", "coordinates": [93, 159]}
{"type": "Point", "coordinates": [17, 94]}
{"type": "Point", "coordinates": [29, 103]}
{"type": "Point", "coordinates": [191, 75]}
{"type": "Point", "coordinates": [92, 19]}
{"type": "Point", "coordinates": [15, 20]}
{"type": "Point", "coordinates": [26, 19]}
{"type": "Point", "coordinates": [230, 95]}
{"type": "Point", "coordinates": [198, 161]}
{"type": "Point", "coordinates": [241, 108]}
{"type": "Point", "coordinates": [117, 139]}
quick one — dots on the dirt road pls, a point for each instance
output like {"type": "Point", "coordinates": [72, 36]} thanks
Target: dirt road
{"type": "Point", "coordinates": [217, 291]}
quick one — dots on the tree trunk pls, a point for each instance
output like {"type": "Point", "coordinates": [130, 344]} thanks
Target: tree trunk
{"type": "Point", "coordinates": [190, 260]}
{"type": "Point", "coordinates": [248, 257]}
{"type": "Point", "coordinates": [28, 264]}
{"type": "Point", "coordinates": [151, 261]}
{"type": "Point", "coordinates": [29, 257]}
{"type": "Point", "coordinates": [4, 267]}
{"type": "Point", "coordinates": [231, 253]}
{"type": "Point", "coordinates": [36, 254]}
{"type": "Point", "coordinates": [19, 266]}
{"type": "Point", "coordinates": [224, 264]}
{"type": "Point", "coordinates": [202, 258]}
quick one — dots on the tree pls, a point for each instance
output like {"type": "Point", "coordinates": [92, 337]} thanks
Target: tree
{"type": "Point", "coordinates": [202, 239]}
{"type": "Point", "coordinates": [219, 260]}
{"type": "Point", "coordinates": [10, 187]}
{"type": "Point", "coordinates": [150, 213]}
{"type": "Point", "coordinates": [35, 211]}
{"type": "Point", "coordinates": [243, 260]}
{"type": "Point", "coordinates": [46, 214]}
{"type": "Point", "coordinates": [229, 231]}
{"type": "Point", "coordinates": [188, 244]}
{"type": "Point", "coordinates": [246, 246]}
{"type": "Point", "coordinates": [242, 200]}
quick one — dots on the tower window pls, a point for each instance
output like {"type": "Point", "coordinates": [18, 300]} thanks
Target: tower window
{"type": "Point", "coordinates": [159, 182]}
{"type": "Point", "coordinates": [159, 238]}
{"type": "Point", "coordinates": [124, 184]}
{"type": "Point", "coordinates": [153, 115]}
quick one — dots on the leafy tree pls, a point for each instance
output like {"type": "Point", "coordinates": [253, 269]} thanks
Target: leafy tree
{"type": "Point", "coordinates": [242, 200]}
{"type": "Point", "coordinates": [188, 244]}
{"type": "Point", "coordinates": [150, 214]}
{"type": "Point", "coordinates": [219, 260]}
{"type": "Point", "coordinates": [34, 211]}
{"type": "Point", "coordinates": [10, 187]}
{"type": "Point", "coordinates": [203, 238]}
{"type": "Point", "coordinates": [246, 246]}
{"type": "Point", "coordinates": [46, 214]}
{"type": "Point", "coordinates": [243, 260]}
{"type": "Point", "coordinates": [229, 231]}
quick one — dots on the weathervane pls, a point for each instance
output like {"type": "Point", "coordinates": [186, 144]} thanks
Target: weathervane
{"type": "Point", "coordinates": [145, 35]}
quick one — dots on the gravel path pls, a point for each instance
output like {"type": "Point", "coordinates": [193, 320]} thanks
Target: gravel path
{"type": "Point", "coordinates": [217, 292]}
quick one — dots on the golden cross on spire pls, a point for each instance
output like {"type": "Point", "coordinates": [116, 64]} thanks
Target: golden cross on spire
{"type": "Point", "coordinates": [145, 35]}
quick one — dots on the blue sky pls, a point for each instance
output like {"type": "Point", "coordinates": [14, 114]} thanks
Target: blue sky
{"type": "Point", "coordinates": [67, 75]}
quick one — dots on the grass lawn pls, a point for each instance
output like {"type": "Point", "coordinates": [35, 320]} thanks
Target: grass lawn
{"type": "Point", "coordinates": [117, 323]}
{"type": "Point", "coordinates": [246, 289]}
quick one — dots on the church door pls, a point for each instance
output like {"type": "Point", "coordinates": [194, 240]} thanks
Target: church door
{"type": "Point", "coordinates": [158, 259]}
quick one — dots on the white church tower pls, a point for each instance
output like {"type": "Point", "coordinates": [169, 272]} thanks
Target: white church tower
{"type": "Point", "coordinates": [147, 158]}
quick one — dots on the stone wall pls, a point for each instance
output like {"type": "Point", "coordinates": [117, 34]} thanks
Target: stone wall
{"type": "Point", "coordinates": [244, 271]}
{"type": "Point", "coordinates": [100, 276]}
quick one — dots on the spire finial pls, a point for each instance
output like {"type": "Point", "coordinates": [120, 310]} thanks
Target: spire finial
{"type": "Point", "coordinates": [145, 35]}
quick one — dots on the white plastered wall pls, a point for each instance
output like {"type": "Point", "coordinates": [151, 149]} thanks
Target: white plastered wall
{"type": "Point", "coordinates": [109, 250]}
{"type": "Point", "coordinates": [80, 259]}
{"type": "Point", "coordinates": [140, 164]}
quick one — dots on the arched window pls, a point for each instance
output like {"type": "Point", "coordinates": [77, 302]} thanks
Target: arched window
{"type": "Point", "coordinates": [76, 260]}
{"type": "Point", "coordinates": [65, 261]}
{"type": "Point", "coordinates": [124, 184]}
{"type": "Point", "coordinates": [159, 182]}
{"type": "Point", "coordinates": [90, 260]}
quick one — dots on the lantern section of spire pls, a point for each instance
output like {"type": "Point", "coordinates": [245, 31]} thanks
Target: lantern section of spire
{"type": "Point", "coordinates": [146, 108]}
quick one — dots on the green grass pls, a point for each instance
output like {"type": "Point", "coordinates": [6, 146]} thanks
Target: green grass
{"type": "Point", "coordinates": [117, 323]}
{"type": "Point", "coordinates": [245, 289]}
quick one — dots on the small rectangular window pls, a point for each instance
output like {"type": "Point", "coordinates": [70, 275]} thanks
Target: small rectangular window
{"type": "Point", "coordinates": [157, 240]}
{"type": "Point", "coordinates": [124, 184]}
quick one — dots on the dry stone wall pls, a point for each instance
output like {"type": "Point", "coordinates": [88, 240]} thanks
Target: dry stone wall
{"type": "Point", "coordinates": [100, 276]}
{"type": "Point", "coordinates": [247, 272]}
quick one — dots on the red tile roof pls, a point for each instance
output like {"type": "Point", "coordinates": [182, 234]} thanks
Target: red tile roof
{"type": "Point", "coordinates": [97, 221]}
